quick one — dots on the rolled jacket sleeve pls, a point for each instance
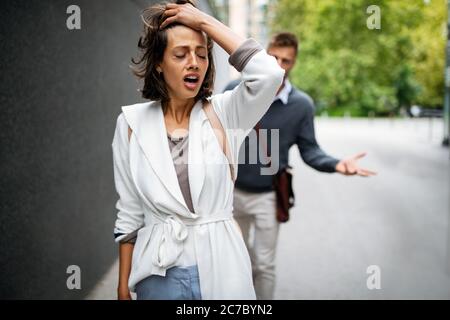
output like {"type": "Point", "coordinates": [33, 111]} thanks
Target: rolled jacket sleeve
{"type": "Point", "coordinates": [130, 216]}
{"type": "Point", "coordinates": [244, 106]}
{"type": "Point", "coordinates": [239, 58]}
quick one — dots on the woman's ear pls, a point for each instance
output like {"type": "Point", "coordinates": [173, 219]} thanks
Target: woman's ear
{"type": "Point", "coordinates": [158, 68]}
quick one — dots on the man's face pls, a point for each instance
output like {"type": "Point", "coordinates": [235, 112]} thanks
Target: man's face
{"type": "Point", "coordinates": [285, 57]}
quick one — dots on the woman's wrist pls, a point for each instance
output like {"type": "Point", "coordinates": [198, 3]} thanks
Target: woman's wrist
{"type": "Point", "coordinates": [225, 37]}
{"type": "Point", "coordinates": [207, 23]}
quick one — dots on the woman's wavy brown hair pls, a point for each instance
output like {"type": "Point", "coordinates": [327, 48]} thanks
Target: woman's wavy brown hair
{"type": "Point", "coordinates": [152, 45]}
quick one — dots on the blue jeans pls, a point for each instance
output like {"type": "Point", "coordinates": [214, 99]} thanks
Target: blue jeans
{"type": "Point", "coordinates": [180, 283]}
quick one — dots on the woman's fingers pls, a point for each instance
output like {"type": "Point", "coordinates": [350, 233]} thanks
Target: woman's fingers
{"type": "Point", "coordinates": [167, 15]}
{"type": "Point", "coordinates": [168, 21]}
{"type": "Point", "coordinates": [185, 14]}
{"type": "Point", "coordinates": [170, 12]}
{"type": "Point", "coordinates": [171, 5]}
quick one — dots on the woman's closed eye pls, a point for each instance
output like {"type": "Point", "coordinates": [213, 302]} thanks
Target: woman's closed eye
{"type": "Point", "coordinates": [182, 56]}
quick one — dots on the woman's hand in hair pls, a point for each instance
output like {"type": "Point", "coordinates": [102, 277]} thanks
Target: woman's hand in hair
{"type": "Point", "coordinates": [185, 14]}
{"type": "Point", "coordinates": [193, 18]}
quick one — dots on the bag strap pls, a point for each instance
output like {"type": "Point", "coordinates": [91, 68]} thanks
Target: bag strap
{"type": "Point", "coordinates": [220, 134]}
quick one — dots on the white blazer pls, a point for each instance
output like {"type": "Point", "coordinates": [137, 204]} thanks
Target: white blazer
{"type": "Point", "coordinates": [150, 196]}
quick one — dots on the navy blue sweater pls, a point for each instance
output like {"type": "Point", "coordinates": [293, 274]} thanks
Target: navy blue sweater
{"type": "Point", "coordinates": [295, 122]}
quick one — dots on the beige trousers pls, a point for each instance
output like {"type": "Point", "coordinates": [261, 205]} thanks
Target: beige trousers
{"type": "Point", "coordinates": [255, 214]}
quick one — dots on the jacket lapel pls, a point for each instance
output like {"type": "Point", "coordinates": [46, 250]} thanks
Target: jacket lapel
{"type": "Point", "coordinates": [196, 154]}
{"type": "Point", "coordinates": [147, 122]}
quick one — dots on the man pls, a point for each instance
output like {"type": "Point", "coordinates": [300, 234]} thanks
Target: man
{"type": "Point", "coordinates": [292, 112]}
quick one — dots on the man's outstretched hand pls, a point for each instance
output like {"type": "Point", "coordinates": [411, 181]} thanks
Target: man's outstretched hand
{"type": "Point", "coordinates": [349, 166]}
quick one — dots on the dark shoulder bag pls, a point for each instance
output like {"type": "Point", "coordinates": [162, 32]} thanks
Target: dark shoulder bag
{"type": "Point", "coordinates": [282, 183]}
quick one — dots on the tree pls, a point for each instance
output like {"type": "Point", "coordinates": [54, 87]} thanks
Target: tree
{"type": "Point", "coordinates": [344, 64]}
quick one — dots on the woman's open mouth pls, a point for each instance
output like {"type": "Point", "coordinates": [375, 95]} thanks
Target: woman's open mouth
{"type": "Point", "coordinates": [191, 81]}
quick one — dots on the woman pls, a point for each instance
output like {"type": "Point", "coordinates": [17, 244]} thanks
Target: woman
{"type": "Point", "coordinates": [178, 201]}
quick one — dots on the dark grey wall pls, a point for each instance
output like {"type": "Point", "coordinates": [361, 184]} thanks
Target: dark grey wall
{"type": "Point", "coordinates": [60, 95]}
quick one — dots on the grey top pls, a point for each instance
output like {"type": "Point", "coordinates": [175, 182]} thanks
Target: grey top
{"type": "Point", "coordinates": [179, 150]}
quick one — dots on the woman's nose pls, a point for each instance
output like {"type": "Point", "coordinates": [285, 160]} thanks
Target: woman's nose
{"type": "Point", "coordinates": [193, 63]}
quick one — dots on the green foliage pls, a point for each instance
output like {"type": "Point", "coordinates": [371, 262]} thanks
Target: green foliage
{"type": "Point", "coordinates": [344, 63]}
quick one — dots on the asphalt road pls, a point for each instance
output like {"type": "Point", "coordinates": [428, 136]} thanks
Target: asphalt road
{"type": "Point", "coordinates": [397, 220]}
